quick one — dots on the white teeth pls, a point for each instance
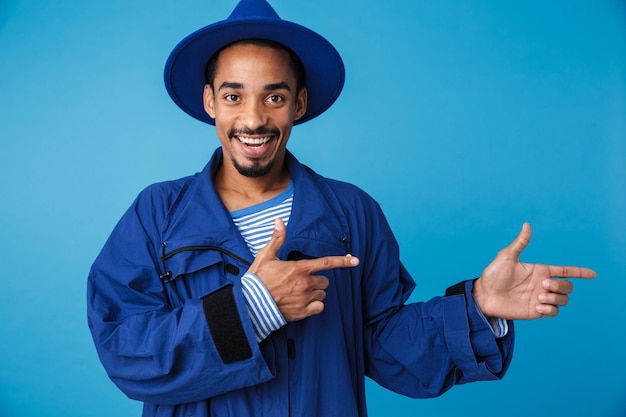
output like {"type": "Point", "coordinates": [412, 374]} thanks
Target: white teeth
{"type": "Point", "coordinates": [254, 141]}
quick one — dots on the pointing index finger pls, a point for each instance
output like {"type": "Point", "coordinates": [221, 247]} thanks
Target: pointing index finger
{"type": "Point", "coordinates": [571, 272]}
{"type": "Point", "coordinates": [331, 262]}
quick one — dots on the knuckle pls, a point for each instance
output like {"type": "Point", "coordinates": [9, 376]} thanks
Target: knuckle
{"type": "Point", "coordinates": [325, 263]}
{"type": "Point", "coordinates": [551, 311]}
{"type": "Point", "coordinates": [300, 268]}
{"type": "Point", "coordinates": [317, 295]}
{"type": "Point", "coordinates": [553, 285]}
{"type": "Point", "coordinates": [300, 286]}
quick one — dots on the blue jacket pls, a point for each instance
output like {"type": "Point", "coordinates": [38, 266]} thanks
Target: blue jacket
{"type": "Point", "coordinates": [169, 321]}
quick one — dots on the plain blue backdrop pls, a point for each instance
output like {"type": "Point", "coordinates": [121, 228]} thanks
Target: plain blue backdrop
{"type": "Point", "coordinates": [462, 118]}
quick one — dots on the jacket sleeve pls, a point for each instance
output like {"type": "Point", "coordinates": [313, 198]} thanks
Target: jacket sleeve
{"type": "Point", "coordinates": [152, 351]}
{"type": "Point", "coordinates": [421, 349]}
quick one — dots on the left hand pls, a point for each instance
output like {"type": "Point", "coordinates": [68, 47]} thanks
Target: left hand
{"type": "Point", "coordinates": [510, 289]}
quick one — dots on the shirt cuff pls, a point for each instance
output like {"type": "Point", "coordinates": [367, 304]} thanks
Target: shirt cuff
{"type": "Point", "coordinates": [262, 309]}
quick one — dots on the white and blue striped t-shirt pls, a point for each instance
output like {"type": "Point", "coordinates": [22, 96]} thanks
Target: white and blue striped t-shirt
{"type": "Point", "coordinates": [256, 225]}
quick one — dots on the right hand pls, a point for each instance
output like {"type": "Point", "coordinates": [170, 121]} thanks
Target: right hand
{"type": "Point", "coordinates": [293, 285]}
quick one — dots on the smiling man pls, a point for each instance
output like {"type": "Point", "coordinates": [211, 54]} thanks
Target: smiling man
{"type": "Point", "coordinates": [259, 288]}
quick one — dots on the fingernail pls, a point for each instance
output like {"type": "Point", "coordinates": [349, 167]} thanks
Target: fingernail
{"type": "Point", "coordinates": [353, 261]}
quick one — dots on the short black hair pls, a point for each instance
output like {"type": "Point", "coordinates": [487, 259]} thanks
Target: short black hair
{"type": "Point", "coordinates": [294, 60]}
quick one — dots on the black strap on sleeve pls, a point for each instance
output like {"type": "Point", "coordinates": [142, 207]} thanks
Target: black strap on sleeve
{"type": "Point", "coordinates": [224, 321]}
{"type": "Point", "coordinates": [456, 289]}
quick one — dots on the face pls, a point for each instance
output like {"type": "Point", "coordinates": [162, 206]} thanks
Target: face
{"type": "Point", "coordinates": [254, 103]}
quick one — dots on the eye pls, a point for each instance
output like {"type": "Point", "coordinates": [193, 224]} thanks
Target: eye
{"type": "Point", "coordinates": [231, 97]}
{"type": "Point", "coordinates": [275, 98]}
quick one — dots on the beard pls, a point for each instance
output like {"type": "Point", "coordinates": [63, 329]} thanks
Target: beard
{"type": "Point", "coordinates": [255, 170]}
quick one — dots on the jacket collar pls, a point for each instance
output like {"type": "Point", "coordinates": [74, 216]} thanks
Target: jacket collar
{"type": "Point", "coordinates": [317, 226]}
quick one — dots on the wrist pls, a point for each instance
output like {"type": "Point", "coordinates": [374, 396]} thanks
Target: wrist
{"type": "Point", "coordinates": [480, 296]}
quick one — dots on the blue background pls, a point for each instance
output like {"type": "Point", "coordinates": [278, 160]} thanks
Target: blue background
{"type": "Point", "coordinates": [463, 118]}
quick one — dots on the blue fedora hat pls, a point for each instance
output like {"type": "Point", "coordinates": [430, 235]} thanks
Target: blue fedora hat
{"type": "Point", "coordinates": [253, 19]}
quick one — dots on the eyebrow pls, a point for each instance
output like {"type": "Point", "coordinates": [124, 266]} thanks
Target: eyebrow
{"type": "Point", "coordinates": [235, 86]}
{"type": "Point", "coordinates": [277, 86]}
{"type": "Point", "coordinates": [269, 87]}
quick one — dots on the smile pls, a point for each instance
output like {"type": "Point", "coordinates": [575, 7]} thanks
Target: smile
{"type": "Point", "coordinates": [248, 141]}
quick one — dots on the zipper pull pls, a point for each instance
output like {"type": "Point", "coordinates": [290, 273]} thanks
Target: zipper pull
{"type": "Point", "coordinates": [346, 246]}
{"type": "Point", "coordinates": [166, 276]}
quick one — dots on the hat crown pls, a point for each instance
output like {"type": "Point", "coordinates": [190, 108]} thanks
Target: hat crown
{"type": "Point", "coordinates": [247, 9]}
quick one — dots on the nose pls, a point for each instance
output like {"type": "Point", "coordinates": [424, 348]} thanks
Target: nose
{"type": "Point", "coordinates": [253, 114]}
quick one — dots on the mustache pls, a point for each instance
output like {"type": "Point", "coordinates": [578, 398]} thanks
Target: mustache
{"type": "Point", "coordinates": [261, 131]}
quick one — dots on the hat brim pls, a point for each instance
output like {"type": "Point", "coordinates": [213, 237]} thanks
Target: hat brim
{"type": "Point", "coordinates": [185, 68]}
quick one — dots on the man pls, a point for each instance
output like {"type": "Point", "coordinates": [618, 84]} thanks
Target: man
{"type": "Point", "coordinates": [257, 287]}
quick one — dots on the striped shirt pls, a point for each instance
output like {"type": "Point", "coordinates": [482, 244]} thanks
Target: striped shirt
{"type": "Point", "coordinates": [256, 225]}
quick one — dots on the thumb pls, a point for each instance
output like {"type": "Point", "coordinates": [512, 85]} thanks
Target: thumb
{"type": "Point", "coordinates": [521, 241]}
{"type": "Point", "coordinates": [270, 250]}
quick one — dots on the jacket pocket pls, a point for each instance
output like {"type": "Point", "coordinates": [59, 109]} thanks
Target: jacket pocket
{"type": "Point", "coordinates": [192, 269]}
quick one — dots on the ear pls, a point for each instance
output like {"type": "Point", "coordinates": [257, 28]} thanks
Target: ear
{"type": "Point", "coordinates": [208, 99]}
{"type": "Point", "coordinates": [301, 101]}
